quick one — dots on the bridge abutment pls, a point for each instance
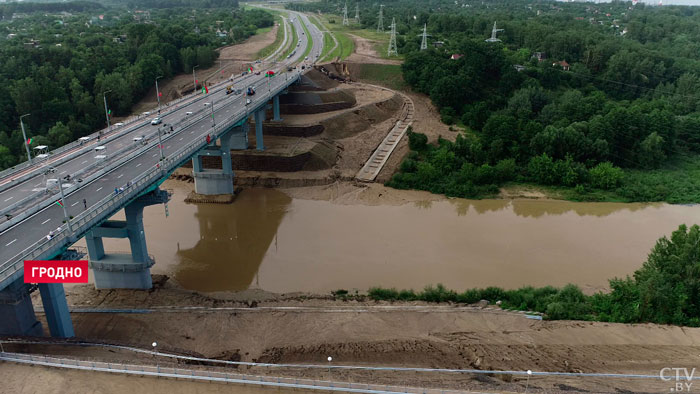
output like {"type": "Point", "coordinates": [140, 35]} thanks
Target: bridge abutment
{"type": "Point", "coordinates": [120, 270]}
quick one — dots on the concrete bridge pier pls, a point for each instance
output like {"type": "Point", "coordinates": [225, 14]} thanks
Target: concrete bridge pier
{"type": "Point", "coordinates": [16, 311]}
{"type": "Point", "coordinates": [276, 109]}
{"type": "Point", "coordinates": [219, 181]}
{"type": "Point", "coordinates": [124, 271]}
{"type": "Point", "coordinates": [259, 119]}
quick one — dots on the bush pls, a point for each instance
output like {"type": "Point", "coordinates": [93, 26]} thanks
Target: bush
{"type": "Point", "coordinates": [605, 176]}
{"type": "Point", "coordinates": [417, 141]}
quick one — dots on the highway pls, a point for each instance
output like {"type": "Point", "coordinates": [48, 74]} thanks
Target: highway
{"type": "Point", "coordinates": [187, 128]}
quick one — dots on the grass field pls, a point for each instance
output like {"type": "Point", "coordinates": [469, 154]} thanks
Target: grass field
{"type": "Point", "coordinates": [388, 75]}
{"type": "Point", "coordinates": [278, 39]}
{"type": "Point", "coordinates": [292, 43]}
{"type": "Point", "coordinates": [381, 40]}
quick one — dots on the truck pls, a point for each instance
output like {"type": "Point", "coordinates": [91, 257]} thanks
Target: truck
{"type": "Point", "coordinates": [250, 91]}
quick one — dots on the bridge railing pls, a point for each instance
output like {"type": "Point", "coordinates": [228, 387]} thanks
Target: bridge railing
{"type": "Point", "coordinates": [108, 205]}
{"type": "Point", "coordinates": [201, 374]}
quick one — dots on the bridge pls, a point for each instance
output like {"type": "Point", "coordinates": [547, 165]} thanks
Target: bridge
{"type": "Point", "coordinates": [122, 168]}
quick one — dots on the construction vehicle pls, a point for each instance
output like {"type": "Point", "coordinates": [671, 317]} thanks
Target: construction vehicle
{"type": "Point", "coordinates": [250, 91]}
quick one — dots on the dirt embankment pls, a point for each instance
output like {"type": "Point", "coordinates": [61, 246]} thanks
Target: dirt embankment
{"type": "Point", "coordinates": [268, 328]}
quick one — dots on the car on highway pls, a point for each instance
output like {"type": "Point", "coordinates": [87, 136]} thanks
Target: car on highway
{"type": "Point", "coordinates": [119, 124]}
{"type": "Point", "coordinates": [206, 104]}
{"type": "Point", "coordinates": [156, 121]}
{"type": "Point", "coordinates": [146, 113]}
{"type": "Point", "coordinates": [188, 113]}
{"type": "Point", "coordinates": [257, 72]}
{"type": "Point", "coordinates": [247, 101]}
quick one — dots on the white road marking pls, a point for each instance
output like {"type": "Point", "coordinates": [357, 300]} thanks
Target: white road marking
{"type": "Point", "coordinates": [74, 204]}
{"type": "Point", "coordinates": [11, 242]}
{"type": "Point", "coordinates": [155, 154]}
{"type": "Point", "coordinates": [10, 198]}
{"type": "Point", "coordinates": [62, 172]}
{"type": "Point", "coordinates": [38, 184]}
{"type": "Point", "coordinates": [167, 147]}
{"type": "Point", "coordinates": [120, 176]}
{"type": "Point", "coordinates": [138, 164]}
{"type": "Point", "coordinates": [181, 139]}
{"type": "Point", "coordinates": [83, 162]}
{"type": "Point", "coordinates": [98, 189]}
{"type": "Point", "coordinates": [45, 221]}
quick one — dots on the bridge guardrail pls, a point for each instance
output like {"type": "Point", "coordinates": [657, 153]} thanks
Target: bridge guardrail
{"type": "Point", "coordinates": [41, 205]}
{"type": "Point", "coordinates": [216, 376]}
{"type": "Point", "coordinates": [87, 219]}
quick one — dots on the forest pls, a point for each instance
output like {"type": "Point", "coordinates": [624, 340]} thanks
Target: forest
{"type": "Point", "coordinates": [598, 100]}
{"type": "Point", "coordinates": [59, 58]}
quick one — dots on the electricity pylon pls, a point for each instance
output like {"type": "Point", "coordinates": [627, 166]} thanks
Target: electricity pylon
{"type": "Point", "coordinates": [380, 22]}
{"type": "Point", "coordinates": [345, 14]}
{"type": "Point", "coordinates": [392, 39]}
{"type": "Point", "coordinates": [424, 42]}
{"type": "Point", "coordinates": [357, 13]}
{"type": "Point", "coordinates": [493, 34]}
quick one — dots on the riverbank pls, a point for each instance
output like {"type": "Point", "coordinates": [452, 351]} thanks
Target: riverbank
{"type": "Point", "coordinates": [276, 328]}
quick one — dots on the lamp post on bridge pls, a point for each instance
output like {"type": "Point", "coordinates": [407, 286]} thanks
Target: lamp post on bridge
{"type": "Point", "coordinates": [104, 97]}
{"type": "Point", "coordinates": [194, 79]}
{"type": "Point", "coordinates": [158, 93]}
{"type": "Point", "coordinates": [24, 135]}
{"type": "Point", "coordinates": [52, 170]}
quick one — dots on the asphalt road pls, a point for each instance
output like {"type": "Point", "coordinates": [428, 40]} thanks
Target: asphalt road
{"type": "Point", "coordinates": [18, 238]}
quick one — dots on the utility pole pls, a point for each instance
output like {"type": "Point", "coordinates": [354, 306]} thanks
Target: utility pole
{"type": "Point", "coordinates": [345, 15]}
{"type": "Point", "coordinates": [392, 39]}
{"type": "Point", "coordinates": [104, 97]}
{"type": "Point", "coordinates": [357, 13]}
{"type": "Point", "coordinates": [26, 141]}
{"type": "Point", "coordinates": [158, 93]}
{"type": "Point", "coordinates": [194, 79]}
{"type": "Point", "coordinates": [424, 42]}
{"type": "Point", "coordinates": [380, 22]}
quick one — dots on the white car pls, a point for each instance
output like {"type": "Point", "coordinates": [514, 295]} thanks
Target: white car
{"type": "Point", "coordinates": [206, 104]}
{"type": "Point", "coordinates": [146, 113]}
{"type": "Point", "coordinates": [156, 121]}
{"type": "Point", "coordinates": [188, 113]}
{"type": "Point", "coordinates": [119, 124]}
{"type": "Point", "coordinates": [247, 101]}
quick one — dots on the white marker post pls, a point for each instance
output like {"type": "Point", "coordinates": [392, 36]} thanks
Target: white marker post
{"type": "Point", "coordinates": [527, 385]}
{"type": "Point", "coordinates": [329, 363]}
{"type": "Point", "coordinates": [155, 350]}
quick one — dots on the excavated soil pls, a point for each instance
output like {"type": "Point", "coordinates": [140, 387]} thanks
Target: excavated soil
{"type": "Point", "coordinates": [356, 332]}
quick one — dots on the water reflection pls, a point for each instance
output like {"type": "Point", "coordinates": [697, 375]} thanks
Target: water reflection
{"type": "Point", "coordinates": [540, 208]}
{"type": "Point", "coordinates": [233, 240]}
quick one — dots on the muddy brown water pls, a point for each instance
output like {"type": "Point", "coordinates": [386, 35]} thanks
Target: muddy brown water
{"type": "Point", "coordinates": [267, 240]}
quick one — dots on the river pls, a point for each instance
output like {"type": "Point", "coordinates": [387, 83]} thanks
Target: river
{"type": "Point", "coordinates": [270, 241]}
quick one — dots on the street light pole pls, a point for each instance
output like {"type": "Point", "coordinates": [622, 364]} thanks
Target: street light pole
{"type": "Point", "coordinates": [104, 96]}
{"type": "Point", "coordinates": [63, 199]}
{"type": "Point", "coordinates": [194, 79]}
{"type": "Point", "coordinates": [158, 93]}
{"type": "Point", "coordinates": [213, 122]}
{"type": "Point", "coordinates": [160, 145]}
{"type": "Point", "coordinates": [24, 134]}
